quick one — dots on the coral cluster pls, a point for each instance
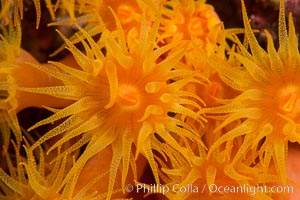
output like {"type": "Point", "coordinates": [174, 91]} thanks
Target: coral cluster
{"type": "Point", "coordinates": [150, 97]}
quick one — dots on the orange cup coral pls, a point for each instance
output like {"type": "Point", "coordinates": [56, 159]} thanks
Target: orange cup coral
{"type": "Point", "coordinates": [123, 98]}
{"type": "Point", "coordinates": [268, 105]}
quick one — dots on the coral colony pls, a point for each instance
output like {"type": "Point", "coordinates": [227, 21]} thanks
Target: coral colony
{"type": "Point", "coordinates": [148, 88]}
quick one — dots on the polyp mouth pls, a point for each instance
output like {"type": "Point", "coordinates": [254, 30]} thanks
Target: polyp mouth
{"type": "Point", "coordinates": [289, 101]}
{"type": "Point", "coordinates": [128, 95]}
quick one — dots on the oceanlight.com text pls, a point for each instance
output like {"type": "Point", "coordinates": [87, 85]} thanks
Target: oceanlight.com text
{"type": "Point", "coordinates": [249, 189]}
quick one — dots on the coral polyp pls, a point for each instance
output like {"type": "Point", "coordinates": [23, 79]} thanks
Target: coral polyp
{"type": "Point", "coordinates": [122, 98]}
{"type": "Point", "coordinates": [190, 20]}
{"type": "Point", "coordinates": [206, 177]}
{"type": "Point", "coordinates": [88, 12]}
{"type": "Point", "coordinates": [269, 103]}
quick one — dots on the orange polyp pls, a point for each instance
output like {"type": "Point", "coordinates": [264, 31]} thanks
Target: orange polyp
{"type": "Point", "coordinates": [128, 95]}
{"type": "Point", "coordinates": [190, 20]}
